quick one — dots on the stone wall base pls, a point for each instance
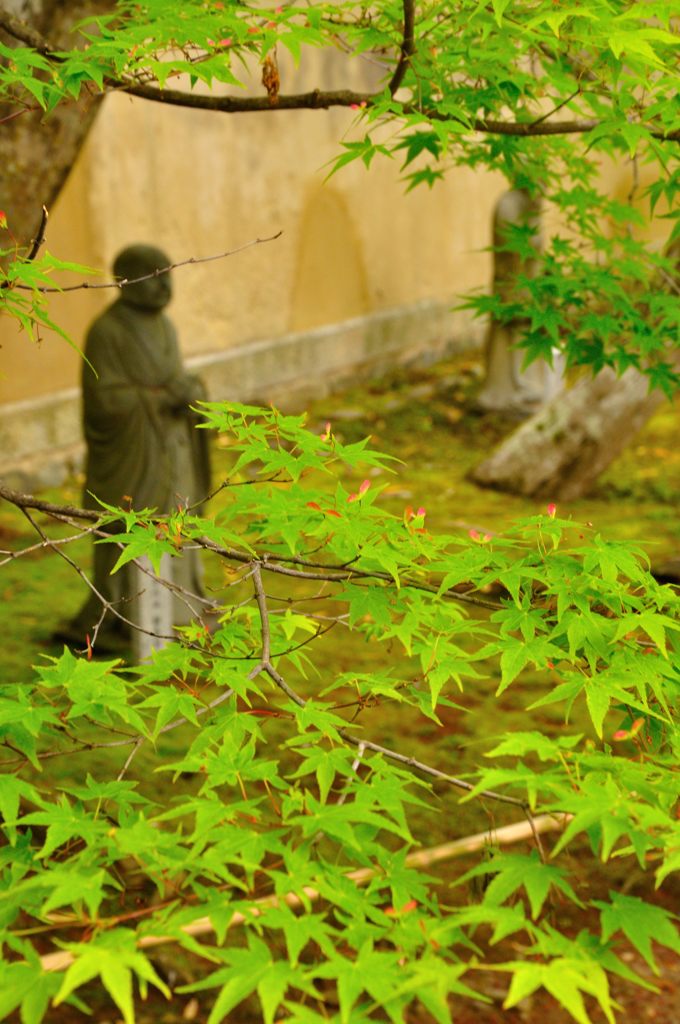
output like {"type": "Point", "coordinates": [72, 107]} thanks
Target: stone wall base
{"type": "Point", "coordinates": [40, 439]}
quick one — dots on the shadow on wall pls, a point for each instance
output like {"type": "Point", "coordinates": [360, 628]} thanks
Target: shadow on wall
{"type": "Point", "coordinates": [330, 283]}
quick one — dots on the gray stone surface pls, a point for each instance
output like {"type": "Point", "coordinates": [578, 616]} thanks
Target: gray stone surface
{"type": "Point", "coordinates": [151, 608]}
{"type": "Point", "coordinates": [509, 387]}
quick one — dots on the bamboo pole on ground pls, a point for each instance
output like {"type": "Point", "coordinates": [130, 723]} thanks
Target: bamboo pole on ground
{"type": "Point", "coordinates": [61, 960]}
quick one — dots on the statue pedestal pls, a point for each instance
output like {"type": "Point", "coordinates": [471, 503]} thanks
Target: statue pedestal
{"type": "Point", "coordinates": [510, 389]}
{"type": "Point", "coordinates": [151, 608]}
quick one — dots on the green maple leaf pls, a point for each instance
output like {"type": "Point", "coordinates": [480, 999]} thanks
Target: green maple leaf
{"type": "Point", "coordinates": [113, 958]}
{"type": "Point", "coordinates": [641, 923]}
{"type": "Point", "coordinates": [514, 871]}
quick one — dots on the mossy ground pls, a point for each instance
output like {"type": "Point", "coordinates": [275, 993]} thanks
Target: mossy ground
{"type": "Point", "coordinates": [424, 417]}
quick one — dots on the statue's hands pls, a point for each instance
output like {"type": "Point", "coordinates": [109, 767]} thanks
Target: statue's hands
{"type": "Point", "coordinates": [180, 392]}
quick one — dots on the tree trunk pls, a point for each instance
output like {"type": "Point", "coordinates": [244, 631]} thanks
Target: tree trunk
{"type": "Point", "coordinates": [37, 151]}
{"type": "Point", "coordinates": [560, 452]}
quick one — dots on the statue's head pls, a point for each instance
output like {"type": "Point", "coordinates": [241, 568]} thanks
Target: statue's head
{"type": "Point", "coordinates": [137, 261]}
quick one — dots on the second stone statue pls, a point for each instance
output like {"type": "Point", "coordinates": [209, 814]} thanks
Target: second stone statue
{"type": "Point", "coordinates": [509, 387]}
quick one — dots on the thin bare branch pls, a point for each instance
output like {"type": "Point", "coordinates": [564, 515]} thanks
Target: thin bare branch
{"type": "Point", "coordinates": [39, 235]}
{"type": "Point", "coordinates": [264, 614]}
{"type": "Point", "coordinates": [18, 113]}
{"type": "Point", "coordinates": [35, 246]}
{"type": "Point", "coordinates": [354, 769]}
{"type": "Point", "coordinates": [44, 289]}
{"type": "Point", "coordinates": [131, 756]}
{"type": "Point", "coordinates": [426, 769]}
{"type": "Point", "coordinates": [557, 107]}
{"type": "Point", "coordinates": [10, 556]}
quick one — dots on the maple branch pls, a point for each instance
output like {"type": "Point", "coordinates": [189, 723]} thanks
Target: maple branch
{"type": "Point", "coordinates": [408, 47]}
{"type": "Point", "coordinates": [25, 33]}
{"type": "Point", "coordinates": [22, 500]}
{"type": "Point", "coordinates": [270, 563]}
{"type": "Point", "coordinates": [318, 98]}
{"type": "Point", "coordinates": [335, 574]}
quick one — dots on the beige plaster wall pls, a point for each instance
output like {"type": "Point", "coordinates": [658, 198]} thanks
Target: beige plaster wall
{"type": "Point", "coordinates": [198, 183]}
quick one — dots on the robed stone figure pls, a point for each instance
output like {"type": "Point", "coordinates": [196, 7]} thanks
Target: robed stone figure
{"type": "Point", "coordinates": [143, 450]}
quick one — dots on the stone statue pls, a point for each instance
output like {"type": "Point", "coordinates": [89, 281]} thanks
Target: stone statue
{"type": "Point", "coordinates": [142, 448]}
{"type": "Point", "coordinates": [507, 387]}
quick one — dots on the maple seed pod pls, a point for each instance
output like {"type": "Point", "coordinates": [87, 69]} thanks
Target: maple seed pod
{"type": "Point", "coordinates": [270, 77]}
